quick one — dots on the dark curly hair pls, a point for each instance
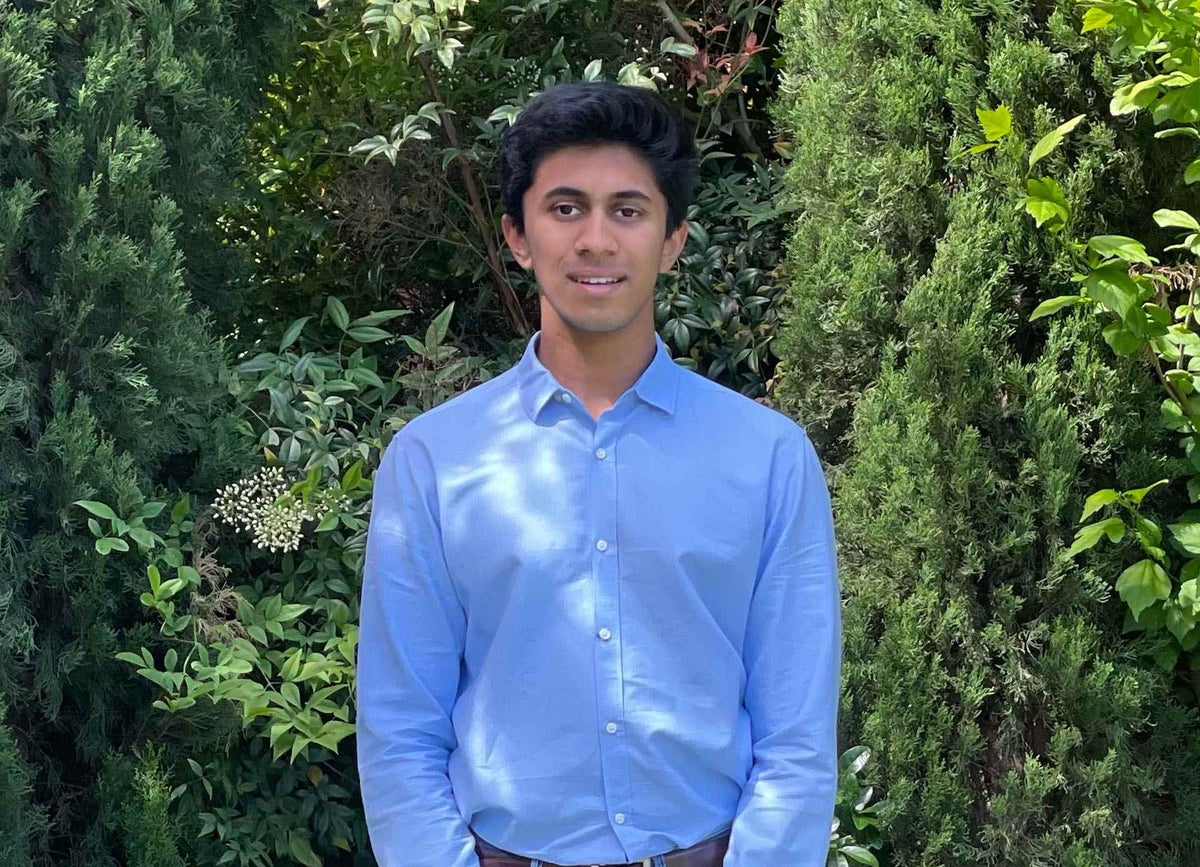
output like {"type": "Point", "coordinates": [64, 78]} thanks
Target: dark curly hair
{"type": "Point", "coordinates": [599, 112]}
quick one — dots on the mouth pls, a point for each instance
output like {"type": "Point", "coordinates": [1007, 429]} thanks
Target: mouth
{"type": "Point", "coordinates": [597, 284]}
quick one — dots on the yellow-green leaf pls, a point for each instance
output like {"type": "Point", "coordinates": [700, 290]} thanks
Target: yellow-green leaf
{"type": "Point", "coordinates": [1053, 305]}
{"type": "Point", "coordinates": [1192, 173]}
{"type": "Point", "coordinates": [1098, 501]}
{"type": "Point", "coordinates": [1120, 247]}
{"type": "Point", "coordinates": [1187, 535]}
{"type": "Point", "coordinates": [1143, 584]}
{"type": "Point", "coordinates": [1096, 19]}
{"type": "Point", "coordinates": [1167, 218]}
{"type": "Point", "coordinates": [996, 124]}
{"type": "Point", "coordinates": [1053, 139]}
{"type": "Point", "coordinates": [1046, 203]}
{"type": "Point", "coordinates": [1089, 536]}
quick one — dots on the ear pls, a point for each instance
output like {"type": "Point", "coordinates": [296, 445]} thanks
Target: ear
{"type": "Point", "coordinates": [672, 247]}
{"type": "Point", "coordinates": [516, 242]}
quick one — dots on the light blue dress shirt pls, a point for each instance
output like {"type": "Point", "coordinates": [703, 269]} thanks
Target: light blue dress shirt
{"type": "Point", "coordinates": [595, 641]}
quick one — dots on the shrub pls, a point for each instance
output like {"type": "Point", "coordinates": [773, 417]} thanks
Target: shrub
{"type": "Point", "coordinates": [1011, 722]}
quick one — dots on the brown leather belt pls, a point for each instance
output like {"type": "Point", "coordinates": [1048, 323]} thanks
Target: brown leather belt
{"type": "Point", "coordinates": [707, 853]}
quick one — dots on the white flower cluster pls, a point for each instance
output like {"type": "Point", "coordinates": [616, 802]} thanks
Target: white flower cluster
{"type": "Point", "coordinates": [261, 505]}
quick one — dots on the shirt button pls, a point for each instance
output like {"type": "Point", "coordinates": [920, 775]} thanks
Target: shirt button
{"type": "Point", "coordinates": [601, 545]}
{"type": "Point", "coordinates": [619, 818]}
{"type": "Point", "coordinates": [611, 728]}
{"type": "Point", "coordinates": [601, 454]}
{"type": "Point", "coordinates": [605, 634]}
{"type": "Point", "coordinates": [564, 397]}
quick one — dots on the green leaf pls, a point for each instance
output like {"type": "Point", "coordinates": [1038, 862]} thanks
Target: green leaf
{"type": "Point", "coordinates": [1096, 19]}
{"type": "Point", "coordinates": [1192, 173]}
{"type": "Point", "coordinates": [1123, 341]}
{"type": "Point", "coordinates": [671, 45]}
{"type": "Point", "coordinates": [1189, 596]}
{"type": "Point", "coordinates": [337, 312]}
{"type": "Point", "coordinates": [1046, 203]}
{"type": "Point", "coordinates": [1166, 217]}
{"type": "Point", "coordinates": [379, 317]}
{"type": "Point", "coordinates": [301, 850]}
{"type": "Point", "coordinates": [1098, 501]}
{"type": "Point", "coordinates": [1112, 286]}
{"type": "Point", "coordinates": [591, 72]}
{"type": "Point", "coordinates": [1187, 535]}
{"type": "Point", "coordinates": [1132, 97]}
{"type": "Point", "coordinates": [367, 334]}
{"type": "Point", "coordinates": [1190, 132]}
{"type": "Point", "coordinates": [861, 855]}
{"type": "Point", "coordinates": [292, 332]}
{"type": "Point", "coordinates": [1126, 249]}
{"type": "Point", "coordinates": [1136, 496]}
{"type": "Point", "coordinates": [996, 124]}
{"type": "Point", "coordinates": [1089, 536]}
{"type": "Point", "coordinates": [111, 543]}
{"type": "Point", "coordinates": [144, 538]}
{"type": "Point", "coordinates": [441, 324]}
{"type": "Point", "coordinates": [1166, 658]}
{"type": "Point", "coordinates": [1053, 305]}
{"type": "Point", "coordinates": [100, 510]}
{"type": "Point", "coordinates": [290, 693]}
{"type": "Point", "coordinates": [1052, 140]}
{"type": "Point", "coordinates": [151, 509]}
{"type": "Point", "coordinates": [291, 612]}
{"type": "Point", "coordinates": [1143, 584]}
{"type": "Point", "coordinates": [1179, 621]}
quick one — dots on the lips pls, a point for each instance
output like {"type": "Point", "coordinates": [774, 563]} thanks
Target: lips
{"type": "Point", "coordinates": [606, 287]}
{"type": "Point", "coordinates": [602, 279]}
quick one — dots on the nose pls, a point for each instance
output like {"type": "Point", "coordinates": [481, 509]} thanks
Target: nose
{"type": "Point", "coordinates": [595, 235]}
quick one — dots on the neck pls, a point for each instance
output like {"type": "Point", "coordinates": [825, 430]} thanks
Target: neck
{"type": "Point", "coordinates": [598, 367]}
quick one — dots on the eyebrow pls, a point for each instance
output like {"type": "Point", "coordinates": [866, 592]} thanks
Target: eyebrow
{"type": "Point", "coordinates": [574, 193]}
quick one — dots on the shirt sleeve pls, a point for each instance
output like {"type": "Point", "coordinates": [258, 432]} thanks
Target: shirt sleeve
{"type": "Point", "coordinates": [411, 634]}
{"type": "Point", "coordinates": [792, 657]}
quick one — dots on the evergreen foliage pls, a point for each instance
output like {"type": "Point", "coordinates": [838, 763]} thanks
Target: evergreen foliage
{"type": "Point", "coordinates": [1013, 722]}
{"type": "Point", "coordinates": [134, 798]}
{"type": "Point", "coordinates": [118, 136]}
{"type": "Point", "coordinates": [18, 820]}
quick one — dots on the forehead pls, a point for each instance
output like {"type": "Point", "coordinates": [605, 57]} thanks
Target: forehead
{"type": "Point", "coordinates": [598, 170]}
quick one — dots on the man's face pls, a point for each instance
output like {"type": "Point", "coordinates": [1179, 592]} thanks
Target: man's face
{"type": "Point", "coordinates": [595, 237]}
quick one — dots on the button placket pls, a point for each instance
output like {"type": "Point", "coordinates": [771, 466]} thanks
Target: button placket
{"type": "Point", "coordinates": [610, 698]}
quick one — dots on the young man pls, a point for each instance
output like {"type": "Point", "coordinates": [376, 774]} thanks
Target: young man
{"type": "Point", "coordinates": [600, 615]}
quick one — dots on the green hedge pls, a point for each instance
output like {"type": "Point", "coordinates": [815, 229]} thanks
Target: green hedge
{"type": "Point", "coordinates": [1013, 722]}
{"type": "Point", "coordinates": [119, 136]}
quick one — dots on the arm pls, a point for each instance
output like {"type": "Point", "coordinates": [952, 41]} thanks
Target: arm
{"type": "Point", "coordinates": [410, 644]}
{"type": "Point", "coordinates": [792, 656]}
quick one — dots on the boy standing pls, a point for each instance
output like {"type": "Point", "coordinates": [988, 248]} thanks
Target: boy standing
{"type": "Point", "coordinates": [600, 617]}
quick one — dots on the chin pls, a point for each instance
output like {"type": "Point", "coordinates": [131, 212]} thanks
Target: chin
{"type": "Point", "coordinates": [596, 325]}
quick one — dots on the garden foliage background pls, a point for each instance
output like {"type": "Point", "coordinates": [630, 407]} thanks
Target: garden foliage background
{"type": "Point", "coordinates": [242, 244]}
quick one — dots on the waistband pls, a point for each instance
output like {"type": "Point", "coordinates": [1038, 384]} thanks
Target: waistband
{"type": "Point", "coordinates": [706, 853]}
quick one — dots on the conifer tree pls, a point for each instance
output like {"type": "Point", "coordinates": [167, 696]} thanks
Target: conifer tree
{"type": "Point", "coordinates": [1012, 721]}
{"type": "Point", "coordinates": [119, 127]}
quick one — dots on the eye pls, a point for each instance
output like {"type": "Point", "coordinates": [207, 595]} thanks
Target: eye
{"type": "Point", "coordinates": [558, 208]}
{"type": "Point", "coordinates": [628, 212]}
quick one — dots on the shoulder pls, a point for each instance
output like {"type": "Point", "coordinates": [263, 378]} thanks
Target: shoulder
{"type": "Point", "coordinates": [720, 409]}
{"type": "Point", "coordinates": [465, 420]}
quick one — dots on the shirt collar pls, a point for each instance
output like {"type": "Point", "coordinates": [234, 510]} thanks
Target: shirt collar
{"type": "Point", "coordinates": [657, 385]}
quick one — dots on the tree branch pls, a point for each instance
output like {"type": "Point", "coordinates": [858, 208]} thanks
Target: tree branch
{"type": "Point", "coordinates": [482, 218]}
